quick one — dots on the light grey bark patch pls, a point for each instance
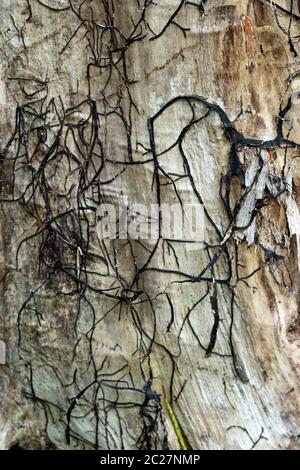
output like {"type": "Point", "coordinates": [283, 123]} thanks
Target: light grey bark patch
{"type": "Point", "coordinates": [2, 352]}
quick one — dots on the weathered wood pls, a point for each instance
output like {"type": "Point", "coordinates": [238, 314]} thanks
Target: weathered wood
{"type": "Point", "coordinates": [217, 326]}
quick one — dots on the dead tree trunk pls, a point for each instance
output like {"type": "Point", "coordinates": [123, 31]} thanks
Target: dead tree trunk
{"type": "Point", "coordinates": [161, 343]}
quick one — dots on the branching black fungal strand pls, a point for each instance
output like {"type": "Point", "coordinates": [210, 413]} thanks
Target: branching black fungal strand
{"type": "Point", "coordinates": [215, 310]}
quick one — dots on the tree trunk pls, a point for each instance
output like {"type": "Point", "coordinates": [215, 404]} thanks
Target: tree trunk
{"type": "Point", "coordinates": [159, 343]}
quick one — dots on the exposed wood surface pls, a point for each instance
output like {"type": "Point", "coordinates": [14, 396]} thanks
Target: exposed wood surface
{"type": "Point", "coordinates": [83, 367]}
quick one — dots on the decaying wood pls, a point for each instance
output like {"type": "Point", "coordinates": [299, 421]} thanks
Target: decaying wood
{"type": "Point", "coordinates": [154, 344]}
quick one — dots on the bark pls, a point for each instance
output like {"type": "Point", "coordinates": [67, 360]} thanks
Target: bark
{"type": "Point", "coordinates": [103, 344]}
